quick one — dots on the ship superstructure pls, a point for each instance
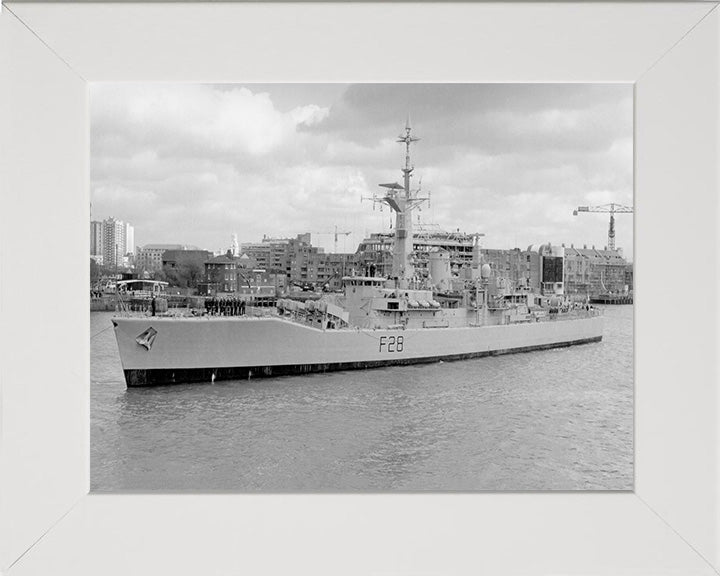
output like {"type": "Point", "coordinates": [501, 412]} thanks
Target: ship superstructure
{"type": "Point", "coordinates": [376, 321]}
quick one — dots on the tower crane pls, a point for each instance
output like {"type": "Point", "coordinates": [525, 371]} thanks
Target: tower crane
{"type": "Point", "coordinates": [611, 209]}
{"type": "Point", "coordinates": [335, 234]}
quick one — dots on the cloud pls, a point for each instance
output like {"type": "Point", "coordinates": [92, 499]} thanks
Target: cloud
{"type": "Point", "coordinates": [194, 163]}
{"type": "Point", "coordinates": [209, 122]}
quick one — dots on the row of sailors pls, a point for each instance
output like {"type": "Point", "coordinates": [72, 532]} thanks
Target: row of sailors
{"type": "Point", "coordinates": [224, 306]}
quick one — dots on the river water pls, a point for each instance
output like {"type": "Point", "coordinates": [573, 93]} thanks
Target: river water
{"type": "Point", "coordinates": [547, 420]}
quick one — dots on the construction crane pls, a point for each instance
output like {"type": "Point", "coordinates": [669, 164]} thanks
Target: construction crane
{"type": "Point", "coordinates": [611, 209]}
{"type": "Point", "coordinates": [335, 234]}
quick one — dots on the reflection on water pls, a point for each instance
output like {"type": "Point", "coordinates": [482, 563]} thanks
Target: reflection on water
{"type": "Point", "coordinates": [550, 420]}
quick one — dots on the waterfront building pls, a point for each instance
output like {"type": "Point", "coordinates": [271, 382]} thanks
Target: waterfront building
{"type": "Point", "coordinates": [629, 277]}
{"type": "Point", "coordinates": [592, 272]}
{"type": "Point", "coordinates": [186, 256]}
{"type": "Point", "coordinates": [238, 274]}
{"type": "Point", "coordinates": [185, 267]}
{"type": "Point", "coordinates": [296, 258]}
{"type": "Point", "coordinates": [150, 257]}
{"type": "Point", "coordinates": [583, 271]}
{"type": "Point", "coordinates": [245, 262]}
{"type": "Point", "coordinates": [258, 281]}
{"type": "Point", "coordinates": [260, 252]}
{"type": "Point", "coordinates": [114, 242]}
{"type": "Point", "coordinates": [221, 273]}
{"type": "Point", "coordinates": [96, 240]}
{"type": "Point", "coordinates": [307, 264]}
{"type": "Point", "coordinates": [520, 267]}
{"type": "Point", "coordinates": [540, 267]}
{"type": "Point", "coordinates": [279, 258]}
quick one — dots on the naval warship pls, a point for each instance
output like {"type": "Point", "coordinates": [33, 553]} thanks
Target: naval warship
{"type": "Point", "coordinates": [404, 318]}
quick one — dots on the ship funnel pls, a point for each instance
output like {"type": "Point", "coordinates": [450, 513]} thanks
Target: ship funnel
{"type": "Point", "coordinates": [440, 269]}
{"type": "Point", "coordinates": [476, 252]}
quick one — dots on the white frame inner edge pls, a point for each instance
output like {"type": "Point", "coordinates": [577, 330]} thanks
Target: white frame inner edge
{"type": "Point", "coordinates": [48, 522]}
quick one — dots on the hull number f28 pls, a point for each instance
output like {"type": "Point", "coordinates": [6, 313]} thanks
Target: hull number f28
{"type": "Point", "coordinates": [391, 343]}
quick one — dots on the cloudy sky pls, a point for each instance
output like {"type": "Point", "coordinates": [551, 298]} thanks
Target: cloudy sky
{"type": "Point", "coordinates": [193, 163]}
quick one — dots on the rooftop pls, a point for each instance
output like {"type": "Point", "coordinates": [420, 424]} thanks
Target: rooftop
{"type": "Point", "coordinates": [169, 247]}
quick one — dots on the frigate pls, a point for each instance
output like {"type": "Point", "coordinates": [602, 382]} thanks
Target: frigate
{"type": "Point", "coordinates": [409, 316]}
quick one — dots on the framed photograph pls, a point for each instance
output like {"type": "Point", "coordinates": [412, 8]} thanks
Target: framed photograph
{"type": "Point", "coordinates": [56, 58]}
{"type": "Point", "coordinates": [494, 352]}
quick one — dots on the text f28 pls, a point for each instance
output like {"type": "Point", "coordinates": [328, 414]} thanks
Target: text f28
{"type": "Point", "coordinates": [391, 343]}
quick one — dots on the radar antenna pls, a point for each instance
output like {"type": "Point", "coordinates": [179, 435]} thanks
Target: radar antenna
{"type": "Point", "coordinates": [403, 200]}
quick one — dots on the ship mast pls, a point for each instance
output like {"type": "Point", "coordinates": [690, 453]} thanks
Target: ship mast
{"type": "Point", "coordinates": [403, 200]}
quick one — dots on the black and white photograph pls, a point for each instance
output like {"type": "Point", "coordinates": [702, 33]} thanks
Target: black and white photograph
{"type": "Point", "coordinates": [314, 288]}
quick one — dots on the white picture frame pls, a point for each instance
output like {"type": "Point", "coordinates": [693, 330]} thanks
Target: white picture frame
{"type": "Point", "coordinates": [49, 524]}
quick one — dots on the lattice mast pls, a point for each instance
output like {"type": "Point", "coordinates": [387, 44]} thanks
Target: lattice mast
{"type": "Point", "coordinates": [402, 199]}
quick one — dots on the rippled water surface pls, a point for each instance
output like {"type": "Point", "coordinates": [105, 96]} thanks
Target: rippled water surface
{"type": "Point", "coordinates": [549, 420]}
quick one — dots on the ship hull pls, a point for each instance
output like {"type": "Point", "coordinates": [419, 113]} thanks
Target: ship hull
{"type": "Point", "coordinates": [211, 349]}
